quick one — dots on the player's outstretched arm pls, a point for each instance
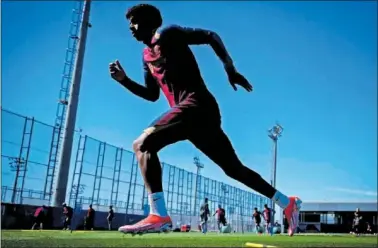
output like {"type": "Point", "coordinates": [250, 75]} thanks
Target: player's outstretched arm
{"type": "Point", "coordinates": [197, 36]}
{"type": "Point", "coordinates": [149, 92]}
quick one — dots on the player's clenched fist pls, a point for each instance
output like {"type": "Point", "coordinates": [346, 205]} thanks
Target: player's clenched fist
{"type": "Point", "coordinates": [116, 71]}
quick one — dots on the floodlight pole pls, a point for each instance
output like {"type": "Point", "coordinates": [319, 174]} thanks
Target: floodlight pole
{"type": "Point", "coordinates": [274, 133]}
{"type": "Point", "coordinates": [199, 166]}
{"type": "Point", "coordinates": [59, 195]}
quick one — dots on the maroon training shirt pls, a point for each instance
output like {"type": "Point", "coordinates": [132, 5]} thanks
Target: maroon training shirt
{"type": "Point", "coordinates": [172, 64]}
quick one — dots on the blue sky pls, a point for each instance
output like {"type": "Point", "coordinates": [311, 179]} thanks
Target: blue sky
{"type": "Point", "coordinates": [313, 66]}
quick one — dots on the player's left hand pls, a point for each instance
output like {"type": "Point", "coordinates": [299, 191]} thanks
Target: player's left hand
{"type": "Point", "coordinates": [236, 78]}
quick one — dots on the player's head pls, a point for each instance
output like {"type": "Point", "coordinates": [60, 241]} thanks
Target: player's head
{"type": "Point", "coordinates": [266, 206]}
{"type": "Point", "coordinates": [90, 206]}
{"type": "Point", "coordinates": [110, 207]}
{"type": "Point", "coordinates": [144, 19]}
{"type": "Point", "coordinates": [255, 209]}
{"type": "Point", "coordinates": [64, 204]}
{"type": "Point", "coordinates": [219, 206]}
{"type": "Point", "coordinates": [206, 199]}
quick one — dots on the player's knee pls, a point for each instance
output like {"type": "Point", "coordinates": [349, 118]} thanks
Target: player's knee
{"type": "Point", "coordinates": [137, 145]}
{"type": "Point", "coordinates": [144, 144]}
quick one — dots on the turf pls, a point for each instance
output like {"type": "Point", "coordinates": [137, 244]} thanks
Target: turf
{"type": "Point", "coordinates": [115, 239]}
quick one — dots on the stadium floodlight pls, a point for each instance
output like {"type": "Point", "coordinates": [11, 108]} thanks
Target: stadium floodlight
{"type": "Point", "coordinates": [275, 132]}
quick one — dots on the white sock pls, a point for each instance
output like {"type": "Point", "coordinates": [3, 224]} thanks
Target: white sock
{"type": "Point", "coordinates": [157, 204]}
{"type": "Point", "coordinates": [281, 200]}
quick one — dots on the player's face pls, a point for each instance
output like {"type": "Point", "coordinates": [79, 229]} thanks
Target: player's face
{"type": "Point", "coordinates": [138, 30]}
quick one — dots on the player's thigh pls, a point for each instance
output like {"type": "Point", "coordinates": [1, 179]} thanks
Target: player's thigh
{"type": "Point", "coordinates": [169, 128]}
{"type": "Point", "coordinates": [215, 144]}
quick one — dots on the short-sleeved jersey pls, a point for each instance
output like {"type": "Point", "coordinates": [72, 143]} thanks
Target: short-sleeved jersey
{"type": "Point", "coordinates": [221, 213]}
{"type": "Point", "coordinates": [91, 213]}
{"type": "Point", "coordinates": [204, 210]}
{"type": "Point", "coordinates": [171, 62]}
{"type": "Point", "coordinates": [110, 214]}
{"type": "Point", "coordinates": [268, 214]}
{"type": "Point", "coordinates": [39, 212]}
{"type": "Point", "coordinates": [257, 216]}
{"type": "Point", "coordinates": [357, 218]}
{"type": "Point", "coordinates": [68, 211]}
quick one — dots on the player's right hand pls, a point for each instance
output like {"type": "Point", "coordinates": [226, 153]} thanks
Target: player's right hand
{"type": "Point", "coordinates": [116, 71]}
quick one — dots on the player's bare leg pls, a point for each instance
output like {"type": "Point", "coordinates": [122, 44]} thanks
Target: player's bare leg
{"type": "Point", "coordinates": [215, 144]}
{"type": "Point", "coordinates": [150, 168]}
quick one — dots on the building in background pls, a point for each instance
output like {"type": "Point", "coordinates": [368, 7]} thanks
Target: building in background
{"type": "Point", "coordinates": [335, 217]}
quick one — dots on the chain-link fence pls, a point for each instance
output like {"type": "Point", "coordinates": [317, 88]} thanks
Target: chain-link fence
{"type": "Point", "coordinates": [105, 175]}
{"type": "Point", "coordinates": [25, 147]}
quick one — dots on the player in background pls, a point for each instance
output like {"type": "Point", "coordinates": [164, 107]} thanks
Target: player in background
{"type": "Point", "coordinates": [357, 221]}
{"type": "Point", "coordinates": [204, 215]}
{"type": "Point", "coordinates": [369, 229]}
{"type": "Point", "coordinates": [221, 217]}
{"type": "Point", "coordinates": [257, 218]}
{"type": "Point", "coordinates": [194, 115]}
{"type": "Point", "coordinates": [110, 217]}
{"type": "Point", "coordinates": [39, 217]}
{"type": "Point", "coordinates": [68, 214]}
{"type": "Point", "coordinates": [268, 216]}
{"type": "Point", "coordinates": [90, 218]}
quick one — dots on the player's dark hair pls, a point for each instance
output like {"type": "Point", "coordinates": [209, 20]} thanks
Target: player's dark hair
{"type": "Point", "coordinates": [146, 11]}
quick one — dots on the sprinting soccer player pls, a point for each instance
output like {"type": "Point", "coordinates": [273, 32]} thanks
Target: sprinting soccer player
{"type": "Point", "coordinates": [170, 65]}
{"type": "Point", "coordinates": [204, 215]}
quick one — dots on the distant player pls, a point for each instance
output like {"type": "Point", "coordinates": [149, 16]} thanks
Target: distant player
{"type": "Point", "coordinates": [221, 217]}
{"type": "Point", "coordinates": [357, 221]}
{"type": "Point", "coordinates": [68, 214]}
{"type": "Point", "coordinates": [369, 230]}
{"type": "Point", "coordinates": [204, 215]}
{"type": "Point", "coordinates": [110, 217]}
{"type": "Point", "coordinates": [39, 217]}
{"type": "Point", "coordinates": [268, 215]}
{"type": "Point", "coordinates": [194, 115]}
{"type": "Point", "coordinates": [89, 219]}
{"type": "Point", "coordinates": [257, 218]}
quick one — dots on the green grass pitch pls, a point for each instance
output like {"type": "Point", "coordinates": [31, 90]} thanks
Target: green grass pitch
{"type": "Point", "coordinates": [18, 238]}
